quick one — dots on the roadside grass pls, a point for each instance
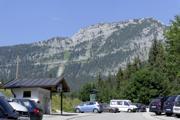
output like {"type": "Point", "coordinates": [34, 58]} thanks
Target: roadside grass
{"type": "Point", "coordinates": [68, 103]}
{"type": "Point", "coordinates": [6, 92]}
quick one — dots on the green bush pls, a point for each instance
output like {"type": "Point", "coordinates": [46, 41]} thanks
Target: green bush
{"type": "Point", "coordinates": [6, 92]}
{"type": "Point", "coordinates": [68, 103]}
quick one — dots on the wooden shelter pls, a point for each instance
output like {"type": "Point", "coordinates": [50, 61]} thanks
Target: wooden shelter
{"type": "Point", "coordinates": [38, 89]}
{"type": "Point", "coordinates": [45, 83]}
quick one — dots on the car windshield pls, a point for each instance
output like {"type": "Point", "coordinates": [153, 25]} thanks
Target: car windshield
{"type": "Point", "coordinates": [105, 105]}
{"type": "Point", "coordinates": [137, 104]}
{"type": "Point", "coordinates": [29, 104]}
{"type": "Point", "coordinates": [129, 102]}
{"type": "Point", "coordinates": [172, 98]}
{"type": "Point", "coordinates": [156, 100]}
{"type": "Point", "coordinates": [178, 98]}
{"type": "Point", "coordinates": [81, 104]}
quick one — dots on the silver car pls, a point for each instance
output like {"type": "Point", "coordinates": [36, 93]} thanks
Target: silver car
{"type": "Point", "coordinates": [89, 107]}
{"type": "Point", "coordinates": [176, 107]}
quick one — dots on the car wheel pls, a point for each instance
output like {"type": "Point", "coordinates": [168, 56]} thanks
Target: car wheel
{"type": "Point", "coordinates": [115, 111]}
{"type": "Point", "coordinates": [77, 110]}
{"type": "Point", "coordinates": [177, 115]}
{"type": "Point", "coordinates": [168, 114]}
{"type": "Point", "coordinates": [95, 110]}
{"type": "Point", "coordinates": [129, 110]}
{"type": "Point", "coordinates": [111, 110]}
{"type": "Point", "coordinates": [158, 113]}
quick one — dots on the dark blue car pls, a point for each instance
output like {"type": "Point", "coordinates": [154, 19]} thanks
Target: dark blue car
{"type": "Point", "coordinates": [157, 105]}
{"type": "Point", "coordinates": [168, 105]}
{"type": "Point", "coordinates": [36, 113]}
{"type": "Point", "coordinates": [6, 110]}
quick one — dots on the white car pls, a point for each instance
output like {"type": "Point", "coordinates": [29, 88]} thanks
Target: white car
{"type": "Point", "coordinates": [176, 107]}
{"type": "Point", "coordinates": [123, 105]}
{"type": "Point", "coordinates": [23, 111]}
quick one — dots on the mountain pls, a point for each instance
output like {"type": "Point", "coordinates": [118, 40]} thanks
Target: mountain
{"type": "Point", "coordinates": [101, 48]}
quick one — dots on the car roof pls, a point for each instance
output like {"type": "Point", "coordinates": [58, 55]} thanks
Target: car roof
{"type": "Point", "coordinates": [120, 100]}
{"type": "Point", "coordinates": [22, 99]}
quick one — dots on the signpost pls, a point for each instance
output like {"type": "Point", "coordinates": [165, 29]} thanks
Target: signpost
{"type": "Point", "coordinates": [93, 93]}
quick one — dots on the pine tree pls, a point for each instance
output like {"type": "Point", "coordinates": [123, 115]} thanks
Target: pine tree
{"type": "Point", "coordinates": [137, 63]}
{"type": "Point", "coordinates": [157, 55]}
{"type": "Point", "coordinates": [119, 79]}
{"type": "Point", "coordinates": [99, 81]}
{"type": "Point", "coordinates": [173, 56]}
{"type": "Point", "coordinates": [173, 47]}
{"type": "Point", "coordinates": [146, 84]}
{"type": "Point", "coordinates": [85, 91]}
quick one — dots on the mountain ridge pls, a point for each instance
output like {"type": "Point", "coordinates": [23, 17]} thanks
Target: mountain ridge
{"type": "Point", "coordinates": [86, 53]}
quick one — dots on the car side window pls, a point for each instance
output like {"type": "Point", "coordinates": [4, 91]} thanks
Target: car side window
{"type": "Point", "coordinates": [91, 103]}
{"type": "Point", "coordinates": [81, 104]}
{"type": "Point", "coordinates": [126, 103]}
{"type": "Point", "coordinates": [119, 102]}
{"type": "Point", "coordinates": [113, 103]}
{"type": "Point", "coordinates": [88, 103]}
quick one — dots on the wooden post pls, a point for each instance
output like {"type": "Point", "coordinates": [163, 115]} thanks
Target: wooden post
{"type": "Point", "coordinates": [60, 90]}
{"type": "Point", "coordinates": [17, 67]}
{"type": "Point", "coordinates": [61, 102]}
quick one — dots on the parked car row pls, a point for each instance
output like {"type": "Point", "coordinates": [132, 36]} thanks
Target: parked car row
{"type": "Point", "coordinates": [19, 109]}
{"type": "Point", "coordinates": [114, 107]}
{"type": "Point", "coordinates": [169, 105]}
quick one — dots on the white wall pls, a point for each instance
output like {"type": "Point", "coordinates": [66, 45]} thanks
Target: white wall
{"type": "Point", "coordinates": [19, 93]}
{"type": "Point", "coordinates": [45, 100]}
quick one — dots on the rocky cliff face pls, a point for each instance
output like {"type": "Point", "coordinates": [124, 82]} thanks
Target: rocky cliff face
{"type": "Point", "coordinates": [101, 48]}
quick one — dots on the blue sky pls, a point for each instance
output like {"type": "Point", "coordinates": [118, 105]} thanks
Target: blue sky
{"type": "Point", "coordinates": [27, 21]}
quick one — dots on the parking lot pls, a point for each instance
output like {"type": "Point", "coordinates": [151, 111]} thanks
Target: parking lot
{"type": "Point", "coordinates": [108, 116]}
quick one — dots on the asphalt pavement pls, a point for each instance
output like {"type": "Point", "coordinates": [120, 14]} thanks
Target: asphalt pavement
{"type": "Point", "coordinates": [108, 116]}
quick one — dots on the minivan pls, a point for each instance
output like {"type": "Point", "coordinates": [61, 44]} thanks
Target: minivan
{"type": "Point", "coordinates": [123, 105]}
{"type": "Point", "coordinates": [157, 104]}
{"type": "Point", "coordinates": [176, 107]}
{"type": "Point", "coordinates": [168, 105]}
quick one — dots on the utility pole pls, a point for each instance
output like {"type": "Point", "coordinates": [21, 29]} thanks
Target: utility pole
{"type": "Point", "coordinates": [17, 67]}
